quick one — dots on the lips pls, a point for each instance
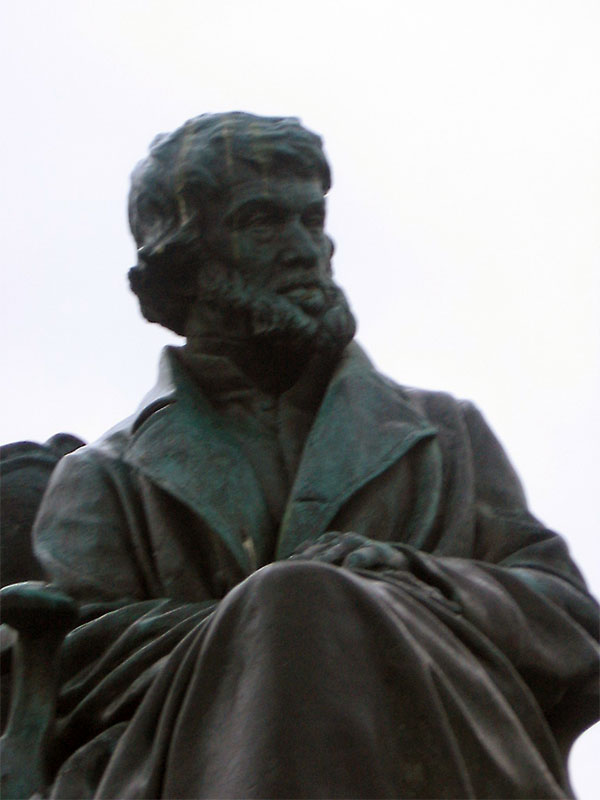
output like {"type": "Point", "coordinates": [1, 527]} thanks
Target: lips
{"type": "Point", "coordinates": [310, 296]}
{"type": "Point", "coordinates": [304, 288]}
{"type": "Point", "coordinates": [304, 292]}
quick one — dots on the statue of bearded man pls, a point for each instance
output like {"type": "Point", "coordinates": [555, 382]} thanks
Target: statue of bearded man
{"type": "Point", "coordinates": [296, 578]}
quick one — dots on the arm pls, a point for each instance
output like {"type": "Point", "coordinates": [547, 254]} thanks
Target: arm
{"type": "Point", "coordinates": [89, 533]}
{"type": "Point", "coordinates": [522, 591]}
{"type": "Point", "coordinates": [514, 585]}
{"type": "Point", "coordinates": [92, 537]}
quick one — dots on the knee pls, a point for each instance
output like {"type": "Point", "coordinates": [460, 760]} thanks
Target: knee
{"type": "Point", "coordinates": [294, 587]}
{"type": "Point", "coordinates": [285, 577]}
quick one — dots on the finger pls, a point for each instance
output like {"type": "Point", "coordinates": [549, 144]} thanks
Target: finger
{"type": "Point", "coordinates": [340, 546]}
{"type": "Point", "coordinates": [331, 547]}
{"type": "Point", "coordinates": [364, 557]}
{"type": "Point", "coordinates": [336, 553]}
{"type": "Point", "coordinates": [375, 555]}
{"type": "Point", "coordinates": [320, 552]}
{"type": "Point", "coordinates": [311, 546]}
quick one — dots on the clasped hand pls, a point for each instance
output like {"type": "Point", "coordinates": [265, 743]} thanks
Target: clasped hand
{"type": "Point", "coordinates": [352, 550]}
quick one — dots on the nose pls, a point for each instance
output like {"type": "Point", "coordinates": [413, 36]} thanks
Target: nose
{"type": "Point", "coordinates": [298, 247]}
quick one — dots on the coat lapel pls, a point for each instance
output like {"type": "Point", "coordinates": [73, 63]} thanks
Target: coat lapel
{"type": "Point", "coordinates": [364, 425]}
{"type": "Point", "coordinates": [180, 444]}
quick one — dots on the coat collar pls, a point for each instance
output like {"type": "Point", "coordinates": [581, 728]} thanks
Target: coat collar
{"type": "Point", "coordinates": [364, 425]}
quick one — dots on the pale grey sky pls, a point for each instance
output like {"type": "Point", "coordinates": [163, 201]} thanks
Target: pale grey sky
{"type": "Point", "coordinates": [464, 141]}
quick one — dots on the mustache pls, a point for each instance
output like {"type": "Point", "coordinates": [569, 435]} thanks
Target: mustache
{"type": "Point", "coordinates": [313, 282]}
{"type": "Point", "coordinates": [216, 277]}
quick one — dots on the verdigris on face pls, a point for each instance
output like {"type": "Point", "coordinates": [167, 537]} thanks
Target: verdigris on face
{"type": "Point", "coordinates": [272, 232]}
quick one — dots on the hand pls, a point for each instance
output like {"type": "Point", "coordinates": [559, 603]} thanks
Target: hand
{"type": "Point", "coordinates": [352, 550]}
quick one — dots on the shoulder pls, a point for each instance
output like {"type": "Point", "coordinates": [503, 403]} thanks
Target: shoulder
{"type": "Point", "coordinates": [443, 409]}
{"type": "Point", "coordinates": [453, 416]}
{"type": "Point", "coordinates": [115, 441]}
{"type": "Point", "coordinates": [435, 403]}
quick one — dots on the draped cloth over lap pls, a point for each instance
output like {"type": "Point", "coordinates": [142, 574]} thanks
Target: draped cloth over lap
{"type": "Point", "coordinates": [314, 681]}
{"type": "Point", "coordinates": [468, 674]}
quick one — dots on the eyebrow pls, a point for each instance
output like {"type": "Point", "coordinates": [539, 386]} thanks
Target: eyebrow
{"type": "Point", "coordinates": [268, 204]}
{"type": "Point", "coordinates": [253, 204]}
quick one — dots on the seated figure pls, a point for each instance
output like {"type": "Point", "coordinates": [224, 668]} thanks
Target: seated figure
{"type": "Point", "coordinates": [296, 578]}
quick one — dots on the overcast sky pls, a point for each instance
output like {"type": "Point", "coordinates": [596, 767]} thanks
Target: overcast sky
{"type": "Point", "coordinates": [464, 138]}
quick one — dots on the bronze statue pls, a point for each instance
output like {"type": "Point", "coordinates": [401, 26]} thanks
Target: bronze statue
{"type": "Point", "coordinates": [294, 577]}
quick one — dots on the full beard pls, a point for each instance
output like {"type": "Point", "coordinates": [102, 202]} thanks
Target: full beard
{"type": "Point", "coordinates": [299, 322]}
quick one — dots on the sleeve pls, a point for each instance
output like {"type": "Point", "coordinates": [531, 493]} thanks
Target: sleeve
{"type": "Point", "coordinates": [522, 591]}
{"type": "Point", "coordinates": [508, 535]}
{"type": "Point", "coordinates": [89, 533]}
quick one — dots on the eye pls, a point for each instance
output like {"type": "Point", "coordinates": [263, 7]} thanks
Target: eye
{"type": "Point", "coordinates": [315, 220]}
{"type": "Point", "coordinates": [258, 219]}
{"type": "Point", "coordinates": [261, 222]}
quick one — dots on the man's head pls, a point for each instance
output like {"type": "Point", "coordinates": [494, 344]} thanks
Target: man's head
{"type": "Point", "coordinates": [229, 209]}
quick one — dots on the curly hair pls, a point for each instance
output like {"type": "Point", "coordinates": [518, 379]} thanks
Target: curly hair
{"type": "Point", "coordinates": [186, 171]}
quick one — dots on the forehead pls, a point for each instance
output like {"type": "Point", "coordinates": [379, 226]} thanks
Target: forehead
{"type": "Point", "coordinates": [293, 193]}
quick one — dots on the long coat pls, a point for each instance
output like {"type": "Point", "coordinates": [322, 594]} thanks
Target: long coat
{"type": "Point", "coordinates": [159, 530]}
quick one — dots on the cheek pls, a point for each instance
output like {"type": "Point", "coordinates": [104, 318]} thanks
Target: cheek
{"type": "Point", "coordinates": [254, 258]}
{"type": "Point", "coordinates": [241, 249]}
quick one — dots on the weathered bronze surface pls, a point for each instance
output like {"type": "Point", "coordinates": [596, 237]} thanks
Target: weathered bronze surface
{"type": "Point", "coordinates": [296, 578]}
